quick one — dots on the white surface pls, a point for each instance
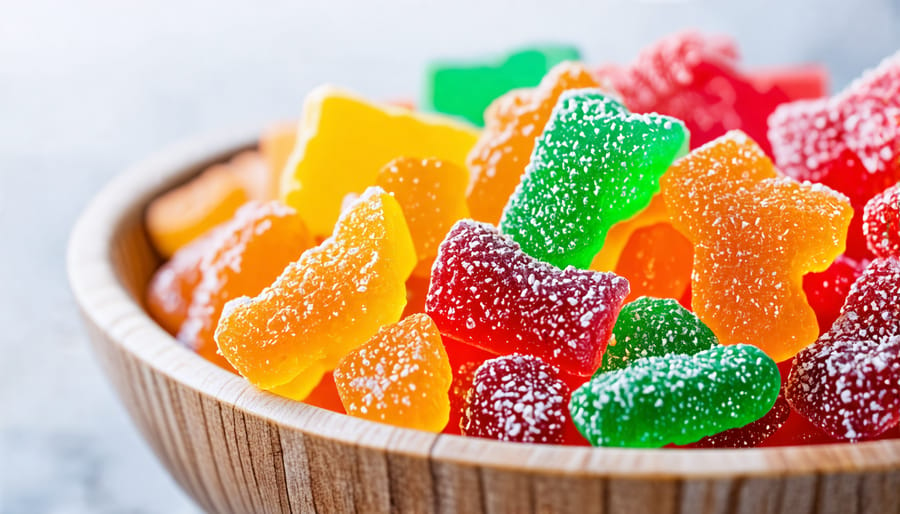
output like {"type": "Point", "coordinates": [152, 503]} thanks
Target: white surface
{"type": "Point", "coordinates": [87, 87]}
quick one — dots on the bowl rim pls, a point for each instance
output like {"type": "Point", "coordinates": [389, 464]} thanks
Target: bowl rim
{"type": "Point", "coordinates": [104, 299]}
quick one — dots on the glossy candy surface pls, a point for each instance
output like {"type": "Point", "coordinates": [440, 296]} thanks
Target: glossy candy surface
{"type": "Point", "coordinates": [516, 398]}
{"type": "Point", "coordinates": [344, 140]}
{"type": "Point", "coordinates": [328, 302]}
{"type": "Point", "coordinates": [846, 383]}
{"type": "Point", "coordinates": [755, 235]}
{"type": "Point", "coordinates": [594, 165]}
{"type": "Point", "coordinates": [400, 376]}
{"type": "Point", "coordinates": [486, 292]}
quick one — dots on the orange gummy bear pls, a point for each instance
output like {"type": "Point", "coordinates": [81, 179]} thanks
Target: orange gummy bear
{"type": "Point", "coordinates": [172, 286]}
{"type": "Point", "coordinates": [401, 376]}
{"type": "Point", "coordinates": [328, 302]}
{"type": "Point", "coordinates": [657, 261]}
{"type": "Point", "coordinates": [755, 234]}
{"type": "Point", "coordinates": [248, 253]}
{"type": "Point", "coordinates": [512, 122]}
{"type": "Point", "coordinates": [432, 194]}
{"type": "Point", "coordinates": [183, 214]}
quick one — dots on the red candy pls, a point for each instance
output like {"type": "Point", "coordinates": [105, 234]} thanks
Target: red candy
{"type": "Point", "coordinates": [753, 434]}
{"type": "Point", "coordinates": [516, 398]}
{"type": "Point", "coordinates": [827, 290]}
{"type": "Point", "coordinates": [846, 382]}
{"type": "Point", "coordinates": [464, 361]}
{"type": "Point", "coordinates": [881, 223]}
{"type": "Point", "coordinates": [486, 292]}
{"type": "Point", "coordinates": [694, 78]}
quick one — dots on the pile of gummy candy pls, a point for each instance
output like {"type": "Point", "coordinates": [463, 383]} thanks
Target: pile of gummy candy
{"type": "Point", "coordinates": [673, 252]}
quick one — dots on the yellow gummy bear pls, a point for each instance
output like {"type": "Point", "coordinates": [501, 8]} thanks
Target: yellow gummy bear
{"type": "Point", "coordinates": [344, 140]}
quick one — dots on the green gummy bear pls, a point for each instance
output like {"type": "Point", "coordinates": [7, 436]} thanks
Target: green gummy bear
{"type": "Point", "coordinates": [595, 165]}
{"type": "Point", "coordinates": [653, 327]}
{"type": "Point", "coordinates": [676, 398]}
{"type": "Point", "coordinates": [466, 89]}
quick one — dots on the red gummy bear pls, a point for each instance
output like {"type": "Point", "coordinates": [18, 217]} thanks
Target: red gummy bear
{"type": "Point", "coordinates": [695, 78]}
{"type": "Point", "coordinates": [487, 292]}
{"type": "Point", "coordinates": [846, 382]}
{"type": "Point", "coordinates": [516, 398]}
{"type": "Point", "coordinates": [881, 223]}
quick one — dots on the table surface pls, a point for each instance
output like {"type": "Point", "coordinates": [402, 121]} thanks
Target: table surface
{"type": "Point", "coordinates": [88, 87]}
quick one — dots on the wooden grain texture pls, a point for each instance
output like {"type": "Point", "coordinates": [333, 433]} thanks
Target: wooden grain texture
{"type": "Point", "coordinates": [238, 449]}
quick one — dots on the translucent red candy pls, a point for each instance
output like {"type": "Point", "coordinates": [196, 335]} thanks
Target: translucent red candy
{"type": "Point", "coordinates": [881, 223]}
{"type": "Point", "coordinates": [827, 290]}
{"type": "Point", "coordinates": [485, 291]}
{"type": "Point", "coordinates": [846, 382]}
{"type": "Point", "coordinates": [694, 77]}
{"type": "Point", "coordinates": [464, 361]}
{"type": "Point", "coordinates": [516, 398]}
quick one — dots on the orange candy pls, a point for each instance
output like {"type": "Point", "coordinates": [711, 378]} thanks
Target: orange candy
{"type": "Point", "coordinates": [618, 236]}
{"type": "Point", "coordinates": [512, 123]}
{"type": "Point", "coordinates": [172, 286]}
{"type": "Point", "coordinates": [755, 235]}
{"type": "Point", "coordinates": [328, 302]}
{"type": "Point", "coordinates": [248, 253]}
{"type": "Point", "coordinates": [401, 376]}
{"type": "Point", "coordinates": [183, 214]}
{"type": "Point", "coordinates": [432, 194]}
{"type": "Point", "coordinates": [657, 261]}
{"type": "Point", "coordinates": [276, 145]}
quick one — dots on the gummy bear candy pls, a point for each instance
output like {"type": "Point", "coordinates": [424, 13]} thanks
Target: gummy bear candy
{"type": "Point", "coordinates": [694, 77]}
{"type": "Point", "coordinates": [486, 292]}
{"type": "Point", "coordinates": [849, 142]}
{"type": "Point", "coordinates": [657, 261]}
{"type": "Point", "coordinates": [276, 144]}
{"type": "Point", "coordinates": [513, 122]}
{"type": "Point", "coordinates": [654, 327]}
{"type": "Point", "coordinates": [183, 214]}
{"type": "Point", "coordinates": [432, 194]}
{"type": "Point", "coordinates": [846, 383]}
{"type": "Point", "coordinates": [172, 286]}
{"type": "Point", "coordinates": [251, 250]}
{"type": "Point", "coordinates": [827, 290]}
{"type": "Point", "coordinates": [516, 398]}
{"type": "Point", "coordinates": [755, 235]}
{"type": "Point", "coordinates": [752, 434]}
{"type": "Point", "coordinates": [328, 302]}
{"type": "Point", "coordinates": [344, 140]}
{"type": "Point", "coordinates": [466, 89]}
{"type": "Point", "coordinates": [676, 398]}
{"type": "Point", "coordinates": [401, 376]}
{"type": "Point", "coordinates": [594, 165]}
{"type": "Point", "coordinates": [881, 223]}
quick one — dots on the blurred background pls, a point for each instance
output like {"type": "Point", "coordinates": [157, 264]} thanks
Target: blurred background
{"type": "Point", "coordinates": [88, 87]}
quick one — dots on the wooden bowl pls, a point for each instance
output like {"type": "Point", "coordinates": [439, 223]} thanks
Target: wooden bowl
{"type": "Point", "coordinates": [237, 449]}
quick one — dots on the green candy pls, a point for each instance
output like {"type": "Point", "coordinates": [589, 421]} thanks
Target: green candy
{"type": "Point", "coordinates": [466, 89]}
{"type": "Point", "coordinates": [653, 327]}
{"type": "Point", "coordinates": [676, 398]}
{"type": "Point", "coordinates": [595, 165]}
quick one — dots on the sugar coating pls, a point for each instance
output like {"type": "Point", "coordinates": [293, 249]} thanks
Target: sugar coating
{"type": "Point", "coordinates": [695, 77]}
{"type": "Point", "coordinates": [881, 223]}
{"type": "Point", "coordinates": [847, 382]}
{"type": "Point", "coordinates": [752, 434]}
{"type": "Point", "coordinates": [432, 194]}
{"type": "Point", "coordinates": [401, 376]}
{"type": "Point", "coordinates": [328, 302]}
{"type": "Point", "coordinates": [755, 235]}
{"type": "Point", "coordinates": [513, 121]}
{"type": "Point", "coordinates": [486, 292]}
{"type": "Point", "coordinates": [810, 137]}
{"type": "Point", "coordinates": [594, 165]}
{"type": "Point", "coordinates": [676, 398]}
{"type": "Point", "coordinates": [655, 327]}
{"type": "Point", "coordinates": [516, 398]}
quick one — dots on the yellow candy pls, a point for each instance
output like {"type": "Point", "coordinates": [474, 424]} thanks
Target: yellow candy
{"type": "Point", "coordinates": [345, 140]}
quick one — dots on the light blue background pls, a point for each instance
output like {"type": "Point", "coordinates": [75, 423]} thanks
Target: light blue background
{"type": "Point", "coordinates": [87, 87]}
